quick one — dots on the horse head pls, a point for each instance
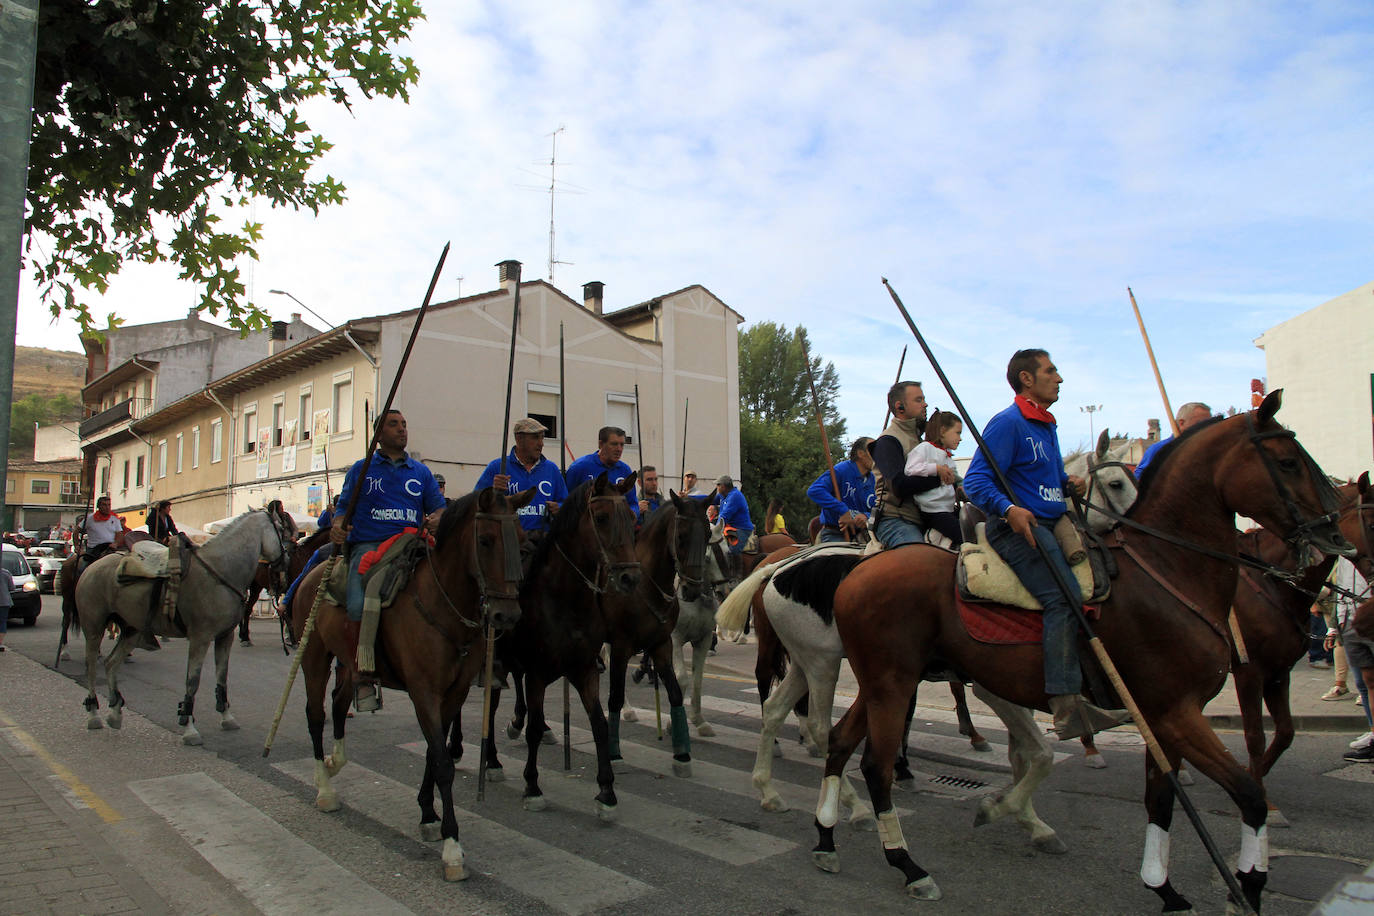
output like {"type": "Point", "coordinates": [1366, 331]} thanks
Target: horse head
{"type": "Point", "coordinates": [1357, 524]}
{"type": "Point", "coordinates": [609, 524]}
{"type": "Point", "coordinates": [494, 560]}
{"type": "Point", "coordinates": [278, 542]}
{"type": "Point", "coordinates": [1264, 473]}
{"type": "Point", "coordinates": [687, 541]}
{"type": "Point", "coordinates": [1109, 480]}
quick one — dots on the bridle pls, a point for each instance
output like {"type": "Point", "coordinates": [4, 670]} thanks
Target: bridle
{"type": "Point", "coordinates": [1094, 467]}
{"type": "Point", "coordinates": [605, 567]}
{"type": "Point", "coordinates": [1300, 537]}
{"type": "Point", "coordinates": [512, 573]}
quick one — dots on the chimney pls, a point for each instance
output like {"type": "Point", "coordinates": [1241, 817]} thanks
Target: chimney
{"type": "Point", "coordinates": [510, 275]}
{"type": "Point", "coordinates": [593, 295]}
{"type": "Point", "coordinates": [1152, 427]}
{"type": "Point", "coordinates": [278, 339]}
{"type": "Point", "coordinates": [295, 317]}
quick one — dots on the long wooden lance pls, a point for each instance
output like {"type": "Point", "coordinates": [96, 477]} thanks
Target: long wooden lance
{"type": "Point", "coordinates": [686, 408]}
{"type": "Point", "coordinates": [639, 444]}
{"type": "Point", "coordinates": [79, 539]}
{"type": "Point", "coordinates": [820, 421]}
{"type": "Point", "coordinates": [352, 504]}
{"type": "Point", "coordinates": [887, 414]}
{"type": "Point", "coordinates": [563, 472]}
{"type": "Point", "coordinates": [1151, 743]}
{"type": "Point", "coordinates": [1150, 351]}
{"type": "Point", "coordinates": [490, 628]}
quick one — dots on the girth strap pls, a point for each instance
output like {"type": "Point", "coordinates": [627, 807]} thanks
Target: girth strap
{"type": "Point", "coordinates": [1169, 587]}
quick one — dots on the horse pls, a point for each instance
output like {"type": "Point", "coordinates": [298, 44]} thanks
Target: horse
{"type": "Point", "coordinates": [588, 551]}
{"type": "Point", "coordinates": [430, 643]}
{"type": "Point", "coordinates": [209, 605]}
{"type": "Point", "coordinates": [696, 623]}
{"type": "Point", "coordinates": [671, 548]}
{"type": "Point", "coordinates": [897, 610]}
{"type": "Point", "coordinates": [263, 581]}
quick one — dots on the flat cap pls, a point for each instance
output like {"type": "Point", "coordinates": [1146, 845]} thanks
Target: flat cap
{"type": "Point", "coordinates": [530, 425]}
{"type": "Point", "coordinates": [725, 480]}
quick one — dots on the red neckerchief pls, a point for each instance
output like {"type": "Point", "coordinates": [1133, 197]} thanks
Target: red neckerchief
{"type": "Point", "coordinates": [101, 516]}
{"type": "Point", "coordinates": [1033, 411]}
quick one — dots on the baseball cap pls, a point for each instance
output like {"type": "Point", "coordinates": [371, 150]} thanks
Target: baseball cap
{"type": "Point", "coordinates": [725, 479]}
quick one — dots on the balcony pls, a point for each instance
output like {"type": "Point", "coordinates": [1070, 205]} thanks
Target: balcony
{"type": "Point", "coordinates": [128, 409]}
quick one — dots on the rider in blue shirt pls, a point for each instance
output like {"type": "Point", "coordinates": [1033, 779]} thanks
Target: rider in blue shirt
{"type": "Point", "coordinates": [527, 467]}
{"type": "Point", "coordinates": [731, 506]}
{"type": "Point", "coordinates": [610, 444]}
{"type": "Point", "coordinates": [842, 519]}
{"type": "Point", "coordinates": [1189, 414]}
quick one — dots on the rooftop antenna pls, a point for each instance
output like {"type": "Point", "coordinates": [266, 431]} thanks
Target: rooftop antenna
{"type": "Point", "coordinates": [553, 185]}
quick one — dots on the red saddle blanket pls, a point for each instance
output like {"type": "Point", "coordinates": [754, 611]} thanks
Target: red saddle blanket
{"type": "Point", "coordinates": [1002, 625]}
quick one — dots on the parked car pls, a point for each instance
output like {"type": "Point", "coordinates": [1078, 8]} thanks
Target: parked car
{"type": "Point", "coordinates": [50, 555]}
{"type": "Point", "coordinates": [27, 602]}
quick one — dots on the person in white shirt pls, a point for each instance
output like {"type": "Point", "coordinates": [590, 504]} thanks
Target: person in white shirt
{"type": "Point", "coordinates": [103, 529]}
{"type": "Point", "coordinates": [935, 457]}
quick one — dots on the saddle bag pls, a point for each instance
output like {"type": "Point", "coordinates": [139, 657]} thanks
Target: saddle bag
{"type": "Point", "coordinates": [385, 572]}
{"type": "Point", "coordinates": [983, 575]}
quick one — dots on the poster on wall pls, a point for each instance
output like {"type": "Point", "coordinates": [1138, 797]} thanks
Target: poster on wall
{"type": "Point", "coordinates": [314, 500]}
{"type": "Point", "coordinates": [288, 441]}
{"type": "Point", "coordinates": [263, 449]}
{"type": "Point", "coordinates": [319, 440]}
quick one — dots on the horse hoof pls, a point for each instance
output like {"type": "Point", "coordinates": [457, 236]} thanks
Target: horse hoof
{"type": "Point", "coordinates": [605, 813]}
{"type": "Point", "coordinates": [984, 815]}
{"type": "Point", "coordinates": [706, 731]}
{"type": "Point", "coordinates": [192, 739]}
{"type": "Point", "coordinates": [431, 832]}
{"type": "Point", "coordinates": [512, 731]}
{"type": "Point", "coordinates": [65, 656]}
{"type": "Point", "coordinates": [982, 746]}
{"type": "Point", "coordinates": [924, 889]}
{"type": "Point", "coordinates": [1050, 844]}
{"type": "Point", "coordinates": [629, 714]}
{"type": "Point", "coordinates": [229, 723]}
{"type": "Point", "coordinates": [1185, 777]}
{"type": "Point", "coordinates": [327, 803]}
{"type": "Point", "coordinates": [455, 873]}
{"type": "Point", "coordinates": [826, 861]}
{"type": "Point", "coordinates": [547, 737]}
{"type": "Point", "coordinates": [1276, 819]}
{"type": "Point", "coordinates": [864, 821]}
{"type": "Point", "coordinates": [1095, 761]}
{"type": "Point", "coordinates": [682, 769]}
{"type": "Point", "coordinates": [773, 803]}
{"type": "Point", "coordinates": [94, 724]}
{"type": "Point", "coordinates": [331, 767]}
{"type": "Point", "coordinates": [534, 802]}
{"type": "Point", "coordinates": [115, 719]}
{"type": "Point", "coordinates": [814, 750]}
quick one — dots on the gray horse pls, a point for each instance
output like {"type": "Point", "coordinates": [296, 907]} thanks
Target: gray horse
{"type": "Point", "coordinates": [209, 605]}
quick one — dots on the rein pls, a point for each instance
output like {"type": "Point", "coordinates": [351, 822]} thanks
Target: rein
{"type": "Point", "coordinates": [279, 563]}
{"type": "Point", "coordinates": [509, 543]}
{"type": "Point", "coordinates": [604, 566]}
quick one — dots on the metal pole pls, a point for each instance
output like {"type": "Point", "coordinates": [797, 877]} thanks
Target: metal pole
{"type": "Point", "coordinates": [1150, 351]}
{"type": "Point", "coordinates": [353, 497]}
{"type": "Point", "coordinates": [887, 414]}
{"type": "Point", "coordinates": [686, 408]}
{"type": "Point", "coordinates": [490, 628]}
{"type": "Point", "coordinates": [820, 421]}
{"type": "Point", "coordinates": [639, 443]}
{"type": "Point", "coordinates": [1156, 752]}
{"type": "Point", "coordinates": [563, 470]}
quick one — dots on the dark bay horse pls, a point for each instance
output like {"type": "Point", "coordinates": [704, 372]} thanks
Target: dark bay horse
{"type": "Point", "coordinates": [587, 553]}
{"type": "Point", "coordinates": [430, 643]}
{"type": "Point", "coordinates": [896, 610]}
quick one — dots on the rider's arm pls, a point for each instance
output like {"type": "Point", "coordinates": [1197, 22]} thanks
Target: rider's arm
{"type": "Point", "coordinates": [822, 493]}
{"type": "Point", "coordinates": [887, 455]}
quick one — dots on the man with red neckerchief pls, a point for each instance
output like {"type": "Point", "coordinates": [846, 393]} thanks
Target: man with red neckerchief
{"type": "Point", "coordinates": [1023, 440]}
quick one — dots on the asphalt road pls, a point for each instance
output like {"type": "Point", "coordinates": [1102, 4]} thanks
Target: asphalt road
{"type": "Point", "coordinates": [219, 829]}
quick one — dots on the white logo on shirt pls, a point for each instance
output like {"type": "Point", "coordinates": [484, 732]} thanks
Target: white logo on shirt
{"type": "Point", "coordinates": [418, 489]}
{"type": "Point", "coordinates": [1037, 449]}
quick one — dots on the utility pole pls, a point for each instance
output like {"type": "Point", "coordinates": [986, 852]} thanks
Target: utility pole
{"type": "Point", "coordinates": [1090, 410]}
{"type": "Point", "coordinates": [553, 179]}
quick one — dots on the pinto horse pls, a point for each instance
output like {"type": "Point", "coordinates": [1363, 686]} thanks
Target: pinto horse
{"type": "Point", "coordinates": [587, 553]}
{"type": "Point", "coordinates": [1169, 641]}
{"type": "Point", "coordinates": [430, 643]}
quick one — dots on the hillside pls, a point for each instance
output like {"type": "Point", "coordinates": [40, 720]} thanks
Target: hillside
{"type": "Point", "coordinates": [48, 372]}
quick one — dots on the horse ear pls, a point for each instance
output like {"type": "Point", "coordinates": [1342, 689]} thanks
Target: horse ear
{"type": "Point", "coordinates": [677, 500]}
{"type": "Point", "coordinates": [1362, 484]}
{"type": "Point", "coordinates": [627, 484]}
{"type": "Point", "coordinates": [599, 485]}
{"type": "Point", "coordinates": [1272, 402]}
{"type": "Point", "coordinates": [522, 499]}
{"type": "Point", "coordinates": [1103, 442]}
{"type": "Point", "coordinates": [485, 499]}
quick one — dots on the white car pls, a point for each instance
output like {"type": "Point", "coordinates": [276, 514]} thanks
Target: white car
{"type": "Point", "coordinates": [48, 557]}
{"type": "Point", "coordinates": [27, 603]}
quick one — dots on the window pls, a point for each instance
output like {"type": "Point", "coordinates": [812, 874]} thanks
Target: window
{"type": "Point", "coordinates": [181, 441]}
{"type": "Point", "coordinates": [126, 474]}
{"type": "Point", "coordinates": [39, 486]}
{"type": "Point", "coordinates": [307, 417]}
{"type": "Point", "coordinates": [620, 411]}
{"type": "Point", "coordinates": [138, 472]}
{"type": "Point", "coordinates": [250, 430]}
{"type": "Point", "coordinates": [71, 485]}
{"type": "Point", "coordinates": [195, 447]}
{"type": "Point", "coordinates": [161, 458]}
{"type": "Point", "coordinates": [216, 440]}
{"type": "Point", "coordinates": [342, 406]}
{"type": "Point", "coordinates": [9, 484]}
{"type": "Point", "coordinates": [105, 480]}
{"type": "Point", "coordinates": [541, 403]}
{"type": "Point", "coordinates": [278, 422]}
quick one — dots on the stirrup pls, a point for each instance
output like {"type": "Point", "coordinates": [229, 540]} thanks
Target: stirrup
{"type": "Point", "coordinates": [367, 696]}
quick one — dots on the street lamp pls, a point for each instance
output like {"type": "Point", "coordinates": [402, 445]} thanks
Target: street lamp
{"type": "Point", "coordinates": [1090, 409]}
{"type": "Point", "coordinates": [282, 292]}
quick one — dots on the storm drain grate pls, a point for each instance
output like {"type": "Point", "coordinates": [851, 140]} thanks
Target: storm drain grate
{"type": "Point", "coordinates": [959, 782]}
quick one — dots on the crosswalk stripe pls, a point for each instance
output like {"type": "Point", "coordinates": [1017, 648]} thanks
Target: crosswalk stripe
{"type": "Point", "coordinates": [560, 880]}
{"type": "Point", "coordinates": [245, 846]}
{"type": "Point", "coordinates": [668, 823]}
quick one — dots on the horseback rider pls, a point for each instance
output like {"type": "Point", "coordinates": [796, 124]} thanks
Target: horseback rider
{"type": "Point", "coordinates": [1024, 442]}
{"type": "Point", "coordinates": [161, 526]}
{"type": "Point", "coordinates": [842, 519]}
{"type": "Point", "coordinates": [1190, 414]}
{"type": "Point", "coordinates": [610, 444]}
{"type": "Point", "coordinates": [104, 532]}
{"type": "Point", "coordinates": [897, 518]}
{"type": "Point", "coordinates": [398, 493]}
{"type": "Point", "coordinates": [649, 497]}
{"type": "Point", "coordinates": [527, 467]}
{"type": "Point", "coordinates": [730, 506]}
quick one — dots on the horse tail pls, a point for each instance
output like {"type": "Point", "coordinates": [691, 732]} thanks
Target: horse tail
{"type": "Point", "coordinates": [734, 610]}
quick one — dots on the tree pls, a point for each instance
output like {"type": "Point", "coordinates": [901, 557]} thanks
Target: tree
{"type": "Point", "coordinates": [36, 408]}
{"type": "Point", "coordinates": [780, 445]}
{"type": "Point", "coordinates": [154, 118]}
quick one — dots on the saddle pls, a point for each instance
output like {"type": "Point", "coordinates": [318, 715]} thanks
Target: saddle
{"type": "Point", "coordinates": [983, 576]}
{"type": "Point", "coordinates": [149, 561]}
{"type": "Point", "coordinates": [385, 572]}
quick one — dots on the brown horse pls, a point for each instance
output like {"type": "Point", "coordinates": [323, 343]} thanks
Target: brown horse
{"type": "Point", "coordinates": [262, 581]}
{"type": "Point", "coordinates": [897, 610]}
{"type": "Point", "coordinates": [430, 643]}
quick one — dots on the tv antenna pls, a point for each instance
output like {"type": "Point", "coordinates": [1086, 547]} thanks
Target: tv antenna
{"type": "Point", "coordinates": [554, 186]}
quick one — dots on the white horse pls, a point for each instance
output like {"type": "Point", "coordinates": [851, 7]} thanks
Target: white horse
{"type": "Point", "coordinates": [210, 602]}
{"type": "Point", "coordinates": [696, 623]}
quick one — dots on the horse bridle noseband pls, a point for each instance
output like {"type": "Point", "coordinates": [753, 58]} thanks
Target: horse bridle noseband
{"type": "Point", "coordinates": [281, 564]}
{"type": "Point", "coordinates": [1299, 538]}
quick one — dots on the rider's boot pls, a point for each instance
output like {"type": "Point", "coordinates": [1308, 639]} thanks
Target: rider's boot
{"type": "Point", "coordinates": [1075, 717]}
{"type": "Point", "coordinates": [366, 696]}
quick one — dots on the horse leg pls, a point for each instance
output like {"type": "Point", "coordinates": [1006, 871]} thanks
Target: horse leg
{"type": "Point", "coordinates": [92, 704]}
{"type": "Point", "coordinates": [315, 668]}
{"type": "Point", "coordinates": [885, 717]}
{"type": "Point", "coordinates": [495, 772]}
{"type": "Point", "coordinates": [615, 697]}
{"type": "Point", "coordinates": [1276, 699]}
{"type": "Point", "coordinates": [775, 710]}
{"type": "Point", "coordinates": [115, 717]}
{"type": "Point", "coordinates": [517, 720]}
{"type": "Point", "coordinates": [438, 771]}
{"type": "Point", "coordinates": [534, 799]}
{"type": "Point", "coordinates": [823, 678]}
{"type": "Point", "coordinates": [699, 652]}
{"type": "Point", "coordinates": [195, 659]}
{"type": "Point", "coordinates": [1031, 761]}
{"type": "Point", "coordinates": [341, 699]}
{"type": "Point", "coordinates": [966, 726]}
{"type": "Point", "coordinates": [844, 737]}
{"type": "Point", "coordinates": [1092, 757]}
{"type": "Point", "coordinates": [223, 643]}
{"type": "Point", "coordinates": [677, 713]}
{"type": "Point", "coordinates": [679, 658]}
{"type": "Point", "coordinates": [1154, 863]}
{"type": "Point", "coordinates": [904, 778]}
{"type": "Point", "coordinates": [590, 691]}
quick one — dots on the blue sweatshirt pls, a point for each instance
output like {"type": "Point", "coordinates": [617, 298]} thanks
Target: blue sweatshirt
{"type": "Point", "coordinates": [397, 495]}
{"type": "Point", "coordinates": [734, 509]}
{"type": "Point", "coordinates": [589, 467]}
{"type": "Point", "coordinates": [855, 488]}
{"type": "Point", "coordinates": [1027, 451]}
{"type": "Point", "coordinates": [1150, 455]}
{"type": "Point", "coordinates": [544, 477]}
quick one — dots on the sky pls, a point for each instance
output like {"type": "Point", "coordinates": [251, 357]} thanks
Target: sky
{"type": "Point", "coordinates": [1011, 170]}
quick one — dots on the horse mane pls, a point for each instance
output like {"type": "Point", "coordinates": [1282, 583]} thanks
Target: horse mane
{"type": "Point", "coordinates": [813, 582]}
{"type": "Point", "coordinates": [655, 520]}
{"type": "Point", "coordinates": [563, 523]}
{"type": "Point", "coordinates": [456, 511]}
{"type": "Point", "coordinates": [1152, 469]}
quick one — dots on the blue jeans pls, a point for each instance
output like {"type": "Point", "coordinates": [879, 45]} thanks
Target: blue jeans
{"type": "Point", "coordinates": [741, 538]}
{"type": "Point", "coordinates": [355, 579]}
{"type": "Point", "coordinates": [316, 558]}
{"type": "Point", "coordinates": [831, 536]}
{"type": "Point", "coordinates": [895, 532]}
{"type": "Point", "coordinates": [1062, 674]}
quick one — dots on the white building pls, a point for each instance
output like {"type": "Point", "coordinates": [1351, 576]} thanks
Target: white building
{"type": "Point", "coordinates": [1323, 360]}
